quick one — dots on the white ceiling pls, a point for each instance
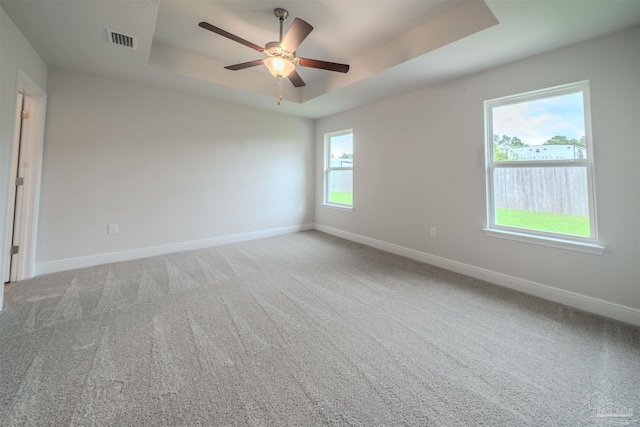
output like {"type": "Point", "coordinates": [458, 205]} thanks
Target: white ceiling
{"type": "Point", "coordinates": [392, 46]}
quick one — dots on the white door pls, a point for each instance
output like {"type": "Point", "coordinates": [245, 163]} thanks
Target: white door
{"type": "Point", "coordinates": [16, 192]}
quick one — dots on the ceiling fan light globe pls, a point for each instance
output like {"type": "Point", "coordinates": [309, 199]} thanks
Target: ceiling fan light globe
{"type": "Point", "coordinates": [279, 67]}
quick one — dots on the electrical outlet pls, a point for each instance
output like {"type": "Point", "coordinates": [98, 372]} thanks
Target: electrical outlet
{"type": "Point", "coordinates": [434, 232]}
{"type": "Point", "coordinates": [112, 229]}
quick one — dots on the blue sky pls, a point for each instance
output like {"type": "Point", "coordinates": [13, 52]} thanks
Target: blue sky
{"type": "Point", "coordinates": [535, 122]}
{"type": "Point", "coordinates": [341, 144]}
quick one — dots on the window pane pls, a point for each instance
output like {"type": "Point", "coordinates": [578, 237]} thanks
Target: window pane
{"type": "Point", "coordinates": [550, 128]}
{"type": "Point", "coordinates": [340, 187]}
{"type": "Point", "coordinates": [551, 199]}
{"type": "Point", "coordinates": [341, 152]}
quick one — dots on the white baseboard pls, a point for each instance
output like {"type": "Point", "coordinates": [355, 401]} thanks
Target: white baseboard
{"type": "Point", "coordinates": [89, 261]}
{"type": "Point", "coordinates": [572, 299]}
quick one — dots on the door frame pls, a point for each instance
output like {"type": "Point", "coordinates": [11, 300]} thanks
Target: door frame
{"type": "Point", "coordinates": [32, 163]}
{"type": "Point", "coordinates": [14, 202]}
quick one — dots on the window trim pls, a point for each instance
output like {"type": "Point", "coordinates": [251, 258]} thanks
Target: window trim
{"type": "Point", "coordinates": [328, 169]}
{"type": "Point", "coordinates": [559, 240]}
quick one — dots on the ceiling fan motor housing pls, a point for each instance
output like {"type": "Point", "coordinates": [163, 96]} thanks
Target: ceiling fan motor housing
{"type": "Point", "coordinates": [274, 49]}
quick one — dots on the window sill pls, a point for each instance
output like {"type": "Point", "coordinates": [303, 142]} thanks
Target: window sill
{"type": "Point", "coordinates": [338, 207]}
{"type": "Point", "coordinates": [572, 245]}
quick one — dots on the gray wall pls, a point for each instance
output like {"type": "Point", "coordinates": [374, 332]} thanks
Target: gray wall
{"type": "Point", "coordinates": [167, 167]}
{"type": "Point", "coordinates": [15, 54]}
{"type": "Point", "coordinates": [419, 162]}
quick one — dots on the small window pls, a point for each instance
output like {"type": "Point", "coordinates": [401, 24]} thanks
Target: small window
{"type": "Point", "coordinates": [338, 169]}
{"type": "Point", "coordinates": [540, 168]}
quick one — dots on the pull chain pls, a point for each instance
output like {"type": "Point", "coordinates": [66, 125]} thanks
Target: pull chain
{"type": "Point", "coordinates": [279, 90]}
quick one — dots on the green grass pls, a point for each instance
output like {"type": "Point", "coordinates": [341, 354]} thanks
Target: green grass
{"type": "Point", "coordinates": [340, 197]}
{"type": "Point", "coordinates": [544, 221]}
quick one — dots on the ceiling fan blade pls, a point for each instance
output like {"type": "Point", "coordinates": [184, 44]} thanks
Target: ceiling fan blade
{"type": "Point", "coordinates": [244, 65]}
{"type": "Point", "coordinates": [298, 31]}
{"type": "Point", "coordinates": [323, 65]}
{"type": "Point", "coordinates": [230, 36]}
{"type": "Point", "coordinates": [295, 78]}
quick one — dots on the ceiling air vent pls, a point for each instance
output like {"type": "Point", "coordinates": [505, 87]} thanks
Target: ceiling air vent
{"type": "Point", "coordinates": [122, 40]}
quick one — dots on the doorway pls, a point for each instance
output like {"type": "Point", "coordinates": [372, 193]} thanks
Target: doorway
{"type": "Point", "coordinates": [24, 191]}
{"type": "Point", "coordinates": [16, 189]}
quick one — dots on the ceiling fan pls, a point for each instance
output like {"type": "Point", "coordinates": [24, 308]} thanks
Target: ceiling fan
{"type": "Point", "coordinates": [280, 57]}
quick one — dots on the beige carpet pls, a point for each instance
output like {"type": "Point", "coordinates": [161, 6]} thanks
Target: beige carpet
{"type": "Point", "coordinates": [301, 330]}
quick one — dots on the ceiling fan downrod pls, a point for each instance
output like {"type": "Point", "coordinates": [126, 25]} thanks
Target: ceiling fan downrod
{"type": "Point", "coordinates": [281, 14]}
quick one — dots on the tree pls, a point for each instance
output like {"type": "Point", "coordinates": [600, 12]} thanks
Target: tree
{"type": "Point", "coordinates": [347, 156]}
{"type": "Point", "coordinates": [563, 140]}
{"type": "Point", "coordinates": [560, 140]}
{"type": "Point", "coordinates": [503, 147]}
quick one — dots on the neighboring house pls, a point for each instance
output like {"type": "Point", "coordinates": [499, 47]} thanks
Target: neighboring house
{"type": "Point", "coordinates": [548, 152]}
{"type": "Point", "coordinates": [340, 163]}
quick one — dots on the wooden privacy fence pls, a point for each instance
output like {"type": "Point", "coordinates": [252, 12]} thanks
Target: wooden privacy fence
{"type": "Point", "coordinates": [561, 190]}
{"type": "Point", "coordinates": [341, 180]}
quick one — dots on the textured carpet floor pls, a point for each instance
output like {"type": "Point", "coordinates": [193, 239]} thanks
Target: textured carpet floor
{"type": "Point", "coordinates": [303, 329]}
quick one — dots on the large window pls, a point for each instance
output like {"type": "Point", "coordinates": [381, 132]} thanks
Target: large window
{"type": "Point", "coordinates": [540, 168]}
{"type": "Point", "coordinates": [338, 169]}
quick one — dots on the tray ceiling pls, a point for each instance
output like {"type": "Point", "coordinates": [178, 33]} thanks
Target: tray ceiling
{"type": "Point", "coordinates": [392, 46]}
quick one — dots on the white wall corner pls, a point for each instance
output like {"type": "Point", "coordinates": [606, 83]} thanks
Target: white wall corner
{"type": "Point", "coordinates": [593, 305]}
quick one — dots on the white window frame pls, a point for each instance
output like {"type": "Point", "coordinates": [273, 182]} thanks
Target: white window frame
{"type": "Point", "coordinates": [328, 169]}
{"type": "Point", "coordinates": [559, 240]}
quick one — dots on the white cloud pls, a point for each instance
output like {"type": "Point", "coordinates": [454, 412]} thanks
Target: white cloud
{"type": "Point", "coordinates": [341, 144]}
{"type": "Point", "coordinates": [538, 121]}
